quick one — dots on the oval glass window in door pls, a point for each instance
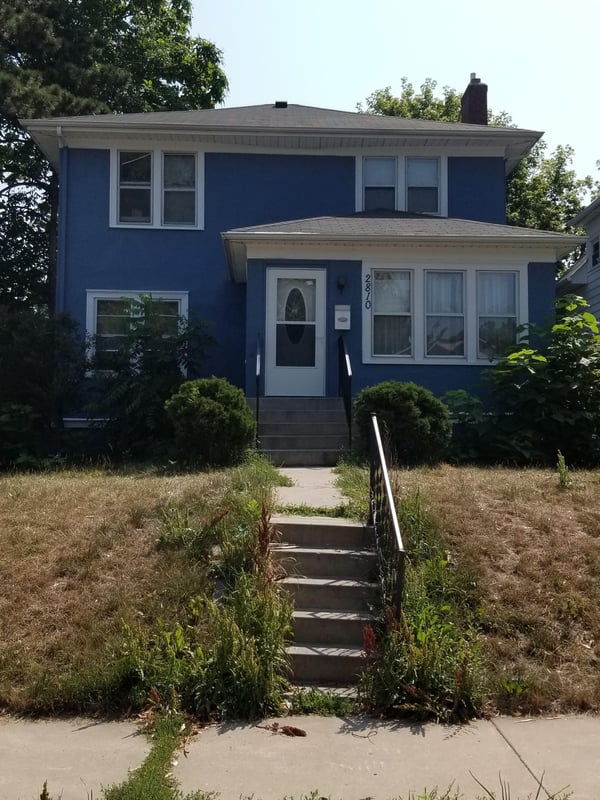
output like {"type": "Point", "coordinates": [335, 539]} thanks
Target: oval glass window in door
{"type": "Point", "coordinates": [295, 340]}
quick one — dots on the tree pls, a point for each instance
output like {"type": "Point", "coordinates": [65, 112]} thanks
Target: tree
{"type": "Point", "coordinates": [542, 192]}
{"type": "Point", "coordinates": [67, 57]}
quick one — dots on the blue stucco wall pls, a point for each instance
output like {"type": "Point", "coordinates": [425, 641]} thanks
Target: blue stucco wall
{"type": "Point", "coordinates": [476, 189]}
{"type": "Point", "coordinates": [240, 190]}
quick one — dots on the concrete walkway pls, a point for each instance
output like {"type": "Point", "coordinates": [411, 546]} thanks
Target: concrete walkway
{"type": "Point", "coordinates": [311, 486]}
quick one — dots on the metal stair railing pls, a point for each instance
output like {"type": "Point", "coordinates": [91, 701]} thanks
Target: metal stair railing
{"type": "Point", "coordinates": [257, 370]}
{"type": "Point", "coordinates": [345, 384]}
{"type": "Point", "coordinates": [391, 555]}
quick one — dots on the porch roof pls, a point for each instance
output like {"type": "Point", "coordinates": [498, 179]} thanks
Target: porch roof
{"type": "Point", "coordinates": [389, 228]}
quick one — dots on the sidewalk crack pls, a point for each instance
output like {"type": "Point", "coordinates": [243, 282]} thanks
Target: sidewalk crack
{"type": "Point", "coordinates": [539, 780]}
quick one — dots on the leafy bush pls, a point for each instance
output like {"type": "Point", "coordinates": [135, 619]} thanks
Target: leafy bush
{"type": "Point", "coordinates": [548, 399]}
{"type": "Point", "coordinates": [417, 423]}
{"type": "Point", "coordinates": [42, 364]}
{"type": "Point", "coordinates": [133, 380]}
{"type": "Point", "coordinates": [470, 425]}
{"type": "Point", "coordinates": [212, 421]}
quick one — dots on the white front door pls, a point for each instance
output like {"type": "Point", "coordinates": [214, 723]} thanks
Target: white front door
{"type": "Point", "coordinates": [295, 332]}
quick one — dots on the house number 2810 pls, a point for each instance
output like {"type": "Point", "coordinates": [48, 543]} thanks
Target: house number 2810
{"type": "Point", "coordinates": [368, 289]}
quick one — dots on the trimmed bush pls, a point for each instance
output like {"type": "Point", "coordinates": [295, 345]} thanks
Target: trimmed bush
{"type": "Point", "coordinates": [211, 420]}
{"type": "Point", "coordinates": [417, 423]}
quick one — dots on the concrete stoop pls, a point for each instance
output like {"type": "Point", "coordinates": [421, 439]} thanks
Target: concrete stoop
{"type": "Point", "coordinates": [302, 431]}
{"type": "Point", "coordinates": [331, 571]}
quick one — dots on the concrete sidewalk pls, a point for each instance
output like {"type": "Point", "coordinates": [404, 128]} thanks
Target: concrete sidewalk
{"type": "Point", "coordinates": [311, 486]}
{"type": "Point", "coordinates": [77, 757]}
{"type": "Point", "coordinates": [347, 759]}
{"type": "Point", "coordinates": [357, 758]}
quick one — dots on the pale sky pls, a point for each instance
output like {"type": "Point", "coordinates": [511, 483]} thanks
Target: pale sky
{"type": "Point", "coordinates": [538, 57]}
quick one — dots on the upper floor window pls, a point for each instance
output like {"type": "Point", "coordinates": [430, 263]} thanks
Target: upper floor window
{"type": "Point", "coordinates": [403, 183]}
{"type": "Point", "coordinates": [595, 252]}
{"type": "Point", "coordinates": [152, 189]}
{"type": "Point", "coordinates": [379, 176]}
{"type": "Point", "coordinates": [423, 185]}
{"type": "Point", "coordinates": [135, 187]}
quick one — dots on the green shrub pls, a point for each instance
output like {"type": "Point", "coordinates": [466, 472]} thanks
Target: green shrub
{"type": "Point", "coordinates": [417, 423]}
{"type": "Point", "coordinates": [211, 420]}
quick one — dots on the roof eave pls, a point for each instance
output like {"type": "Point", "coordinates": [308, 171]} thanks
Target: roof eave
{"type": "Point", "coordinates": [236, 243]}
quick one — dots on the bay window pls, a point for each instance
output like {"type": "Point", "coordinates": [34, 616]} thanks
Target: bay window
{"type": "Point", "coordinates": [421, 313]}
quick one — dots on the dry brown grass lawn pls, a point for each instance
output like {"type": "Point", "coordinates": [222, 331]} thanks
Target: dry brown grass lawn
{"type": "Point", "coordinates": [78, 556]}
{"type": "Point", "coordinates": [534, 548]}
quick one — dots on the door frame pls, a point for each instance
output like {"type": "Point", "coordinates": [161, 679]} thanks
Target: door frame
{"type": "Point", "coordinates": [295, 381]}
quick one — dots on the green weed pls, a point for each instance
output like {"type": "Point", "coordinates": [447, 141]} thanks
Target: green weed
{"type": "Point", "coordinates": [322, 703]}
{"type": "Point", "coordinates": [353, 482]}
{"type": "Point", "coordinates": [427, 662]}
{"type": "Point", "coordinates": [564, 476]}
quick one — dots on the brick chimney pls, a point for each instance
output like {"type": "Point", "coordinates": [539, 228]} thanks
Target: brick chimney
{"type": "Point", "coordinates": [473, 106]}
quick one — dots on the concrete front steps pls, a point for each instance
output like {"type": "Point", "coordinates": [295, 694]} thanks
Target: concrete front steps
{"type": "Point", "coordinates": [302, 431]}
{"type": "Point", "coordinates": [331, 577]}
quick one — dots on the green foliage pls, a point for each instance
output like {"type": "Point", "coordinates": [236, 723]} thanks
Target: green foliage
{"type": "Point", "coordinates": [417, 422]}
{"type": "Point", "coordinates": [547, 399]}
{"type": "Point", "coordinates": [212, 421]}
{"type": "Point", "coordinates": [426, 663]}
{"type": "Point", "coordinates": [146, 367]}
{"type": "Point", "coordinates": [468, 418]}
{"type": "Point", "coordinates": [321, 702]}
{"type": "Point", "coordinates": [42, 365]}
{"type": "Point", "coordinates": [61, 58]}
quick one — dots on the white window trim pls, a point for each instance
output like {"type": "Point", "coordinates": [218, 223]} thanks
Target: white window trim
{"type": "Point", "coordinates": [418, 272]}
{"type": "Point", "coordinates": [93, 295]}
{"type": "Point", "coordinates": [156, 189]}
{"type": "Point", "coordinates": [410, 314]}
{"type": "Point", "coordinates": [401, 188]}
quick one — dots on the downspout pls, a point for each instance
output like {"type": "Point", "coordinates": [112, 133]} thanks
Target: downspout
{"type": "Point", "coordinates": [61, 262]}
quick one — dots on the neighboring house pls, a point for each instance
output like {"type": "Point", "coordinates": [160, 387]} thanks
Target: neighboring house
{"type": "Point", "coordinates": [584, 276]}
{"type": "Point", "coordinates": [287, 226]}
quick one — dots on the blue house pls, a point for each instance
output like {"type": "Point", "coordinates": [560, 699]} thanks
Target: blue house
{"type": "Point", "coordinates": [289, 228]}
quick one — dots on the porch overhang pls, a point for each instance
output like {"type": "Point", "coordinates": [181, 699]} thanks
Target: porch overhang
{"type": "Point", "coordinates": [390, 230]}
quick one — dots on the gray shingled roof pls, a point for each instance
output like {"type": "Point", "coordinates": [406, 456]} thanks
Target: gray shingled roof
{"type": "Point", "coordinates": [293, 127]}
{"type": "Point", "coordinates": [293, 118]}
{"type": "Point", "coordinates": [390, 228]}
{"type": "Point", "coordinates": [398, 225]}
